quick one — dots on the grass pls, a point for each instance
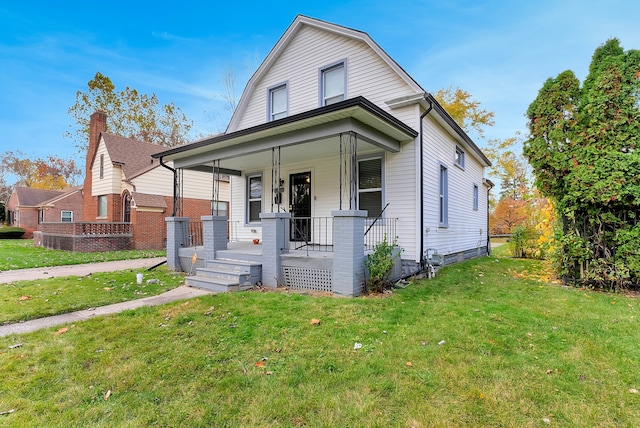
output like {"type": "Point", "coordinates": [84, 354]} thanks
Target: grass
{"type": "Point", "coordinates": [25, 300]}
{"type": "Point", "coordinates": [21, 254]}
{"type": "Point", "coordinates": [488, 342]}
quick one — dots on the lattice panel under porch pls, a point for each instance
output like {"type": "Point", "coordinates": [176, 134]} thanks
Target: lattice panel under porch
{"type": "Point", "coordinates": [304, 278]}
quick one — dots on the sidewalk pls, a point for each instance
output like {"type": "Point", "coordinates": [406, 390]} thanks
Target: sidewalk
{"type": "Point", "coordinates": [182, 292]}
{"type": "Point", "coordinates": [77, 270]}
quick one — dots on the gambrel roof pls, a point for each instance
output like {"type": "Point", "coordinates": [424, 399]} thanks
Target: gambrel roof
{"type": "Point", "coordinates": [299, 22]}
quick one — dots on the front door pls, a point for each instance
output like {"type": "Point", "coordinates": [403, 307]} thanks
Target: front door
{"type": "Point", "coordinates": [300, 206]}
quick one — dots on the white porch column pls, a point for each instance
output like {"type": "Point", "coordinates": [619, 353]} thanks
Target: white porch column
{"type": "Point", "coordinates": [348, 252]}
{"type": "Point", "coordinates": [214, 235]}
{"type": "Point", "coordinates": [275, 241]}
{"type": "Point", "coordinates": [176, 237]}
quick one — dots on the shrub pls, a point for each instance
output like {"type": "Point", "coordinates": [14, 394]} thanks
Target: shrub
{"type": "Point", "coordinates": [380, 263]}
{"type": "Point", "coordinates": [11, 232]}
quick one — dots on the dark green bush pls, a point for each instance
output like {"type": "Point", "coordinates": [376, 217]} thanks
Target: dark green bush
{"type": "Point", "coordinates": [11, 232]}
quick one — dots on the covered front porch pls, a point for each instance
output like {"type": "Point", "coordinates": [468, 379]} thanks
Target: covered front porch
{"type": "Point", "coordinates": [308, 189]}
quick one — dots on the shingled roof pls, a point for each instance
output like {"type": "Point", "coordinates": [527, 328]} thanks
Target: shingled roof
{"type": "Point", "coordinates": [148, 200]}
{"type": "Point", "coordinates": [30, 197]}
{"type": "Point", "coordinates": [133, 156]}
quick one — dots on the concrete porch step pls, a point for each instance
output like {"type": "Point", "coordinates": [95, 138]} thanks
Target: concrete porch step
{"type": "Point", "coordinates": [224, 275]}
{"type": "Point", "coordinates": [215, 284]}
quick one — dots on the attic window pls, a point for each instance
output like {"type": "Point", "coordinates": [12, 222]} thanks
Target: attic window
{"type": "Point", "coordinates": [459, 160]}
{"type": "Point", "coordinates": [101, 166]}
{"type": "Point", "coordinates": [277, 102]}
{"type": "Point", "coordinates": [333, 84]}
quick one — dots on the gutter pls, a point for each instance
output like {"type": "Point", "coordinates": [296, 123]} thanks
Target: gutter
{"type": "Point", "coordinates": [175, 190]}
{"type": "Point", "coordinates": [422, 116]}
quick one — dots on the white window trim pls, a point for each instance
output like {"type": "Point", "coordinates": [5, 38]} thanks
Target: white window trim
{"type": "Point", "coordinates": [247, 213]}
{"type": "Point", "coordinates": [321, 71]}
{"type": "Point", "coordinates": [459, 157]}
{"type": "Point", "coordinates": [270, 91]}
{"type": "Point", "coordinates": [443, 196]}
{"type": "Point", "coordinates": [66, 211]}
{"type": "Point", "coordinates": [382, 180]}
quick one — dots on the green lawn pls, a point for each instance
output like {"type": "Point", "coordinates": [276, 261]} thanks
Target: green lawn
{"type": "Point", "coordinates": [488, 342]}
{"type": "Point", "coordinates": [21, 254]}
{"type": "Point", "coordinates": [25, 300]}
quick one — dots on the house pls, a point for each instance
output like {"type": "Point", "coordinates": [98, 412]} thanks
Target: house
{"type": "Point", "coordinates": [30, 207]}
{"type": "Point", "coordinates": [333, 147]}
{"type": "Point", "coordinates": [127, 194]}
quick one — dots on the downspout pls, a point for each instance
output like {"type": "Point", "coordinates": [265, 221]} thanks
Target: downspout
{"type": "Point", "coordinates": [488, 234]}
{"type": "Point", "coordinates": [422, 116]}
{"type": "Point", "coordinates": [175, 190]}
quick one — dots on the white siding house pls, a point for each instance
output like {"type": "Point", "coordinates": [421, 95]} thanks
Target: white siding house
{"type": "Point", "coordinates": [329, 124]}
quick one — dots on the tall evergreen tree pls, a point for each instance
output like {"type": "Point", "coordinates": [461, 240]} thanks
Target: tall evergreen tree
{"type": "Point", "coordinates": [582, 148]}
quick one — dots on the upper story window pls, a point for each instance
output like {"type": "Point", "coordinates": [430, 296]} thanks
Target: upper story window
{"type": "Point", "coordinates": [278, 102]}
{"type": "Point", "coordinates": [333, 84]}
{"type": "Point", "coordinates": [475, 197]}
{"type": "Point", "coordinates": [459, 160]}
{"type": "Point", "coordinates": [101, 166]}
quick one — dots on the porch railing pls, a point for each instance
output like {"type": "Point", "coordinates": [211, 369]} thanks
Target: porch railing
{"type": "Point", "coordinates": [311, 234]}
{"type": "Point", "coordinates": [194, 233]}
{"type": "Point", "coordinates": [377, 228]}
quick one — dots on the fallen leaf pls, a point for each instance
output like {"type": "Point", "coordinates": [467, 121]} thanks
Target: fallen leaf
{"type": "Point", "coordinates": [268, 373]}
{"type": "Point", "coordinates": [210, 311]}
{"type": "Point", "coordinates": [17, 345]}
{"type": "Point", "coordinates": [61, 331]}
{"type": "Point", "coordinates": [357, 345]}
{"type": "Point", "coordinates": [107, 289]}
{"type": "Point", "coordinates": [278, 350]}
{"type": "Point", "coordinates": [409, 364]}
{"type": "Point", "coordinates": [22, 298]}
{"type": "Point", "coordinates": [8, 412]}
{"type": "Point", "coordinates": [260, 364]}
{"type": "Point", "coordinates": [107, 395]}
{"type": "Point", "coordinates": [633, 391]}
{"type": "Point", "coordinates": [315, 321]}
{"type": "Point", "coordinates": [442, 342]}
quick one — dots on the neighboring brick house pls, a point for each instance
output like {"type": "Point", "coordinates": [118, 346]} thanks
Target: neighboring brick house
{"type": "Point", "coordinates": [29, 207]}
{"type": "Point", "coordinates": [123, 183]}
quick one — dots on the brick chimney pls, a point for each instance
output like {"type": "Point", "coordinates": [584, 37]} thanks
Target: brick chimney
{"type": "Point", "coordinates": [97, 124]}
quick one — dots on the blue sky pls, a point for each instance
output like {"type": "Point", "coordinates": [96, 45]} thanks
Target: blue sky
{"type": "Point", "coordinates": [500, 52]}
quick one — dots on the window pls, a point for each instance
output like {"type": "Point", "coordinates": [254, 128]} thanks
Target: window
{"type": "Point", "coordinates": [66, 216]}
{"type": "Point", "coordinates": [444, 196]}
{"type": "Point", "coordinates": [40, 216]}
{"type": "Point", "coordinates": [459, 157]}
{"type": "Point", "coordinates": [101, 166]}
{"type": "Point", "coordinates": [333, 84]}
{"type": "Point", "coordinates": [370, 186]}
{"type": "Point", "coordinates": [254, 198]}
{"type": "Point", "coordinates": [278, 102]}
{"type": "Point", "coordinates": [102, 206]}
{"type": "Point", "coordinates": [475, 197]}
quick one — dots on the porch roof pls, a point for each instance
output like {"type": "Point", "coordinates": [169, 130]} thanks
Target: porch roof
{"type": "Point", "coordinates": [245, 149]}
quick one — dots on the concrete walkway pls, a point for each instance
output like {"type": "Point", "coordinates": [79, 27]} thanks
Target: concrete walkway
{"type": "Point", "coordinates": [180, 293]}
{"type": "Point", "coordinates": [77, 270]}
